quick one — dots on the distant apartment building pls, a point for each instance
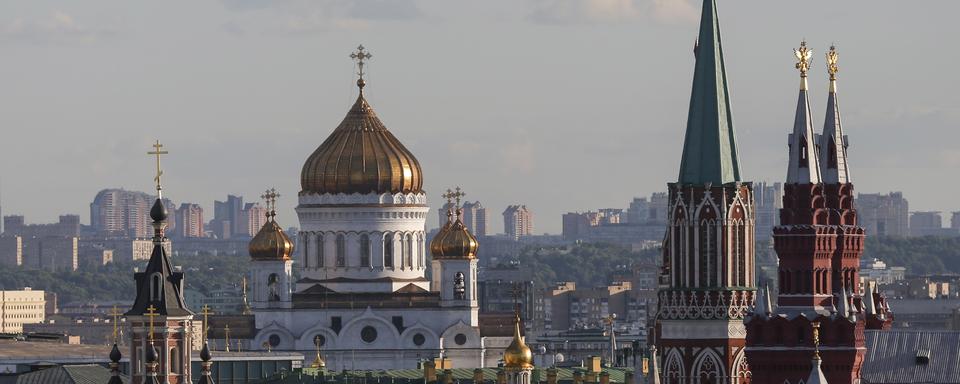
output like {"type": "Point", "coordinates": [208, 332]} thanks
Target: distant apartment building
{"type": "Point", "coordinates": [651, 211]}
{"type": "Point", "coordinates": [475, 218]}
{"type": "Point", "coordinates": [955, 221]}
{"type": "Point", "coordinates": [105, 250]}
{"type": "Point", "coordinates": [227, 217]}
{"type": "Point", "coordinates": [517, 221]}
{"type": "Point", "coordinates": [769, 200]}
{"type": "Point", "coordinates": [567, 307]}
{"type": "Point", "coordinates": [189, 221]}
{"type": "Point", "coordinates": [20, 307]}
{"type": "Point", "coordinates": [254, 216]}
{"type": "Point", "coordinates": [883, 214]}
{"type": "Point", "coordinates": [122, 213]}
{"type": "Point", "coordinates": [51, 247]}
{"type": "Point", "coordinates": [501, 288]}
{"type": "Point", "coordinates": [926, 224]}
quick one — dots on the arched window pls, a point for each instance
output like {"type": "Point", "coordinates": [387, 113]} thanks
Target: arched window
{"type": "Point", "coordinates": [156, 286]}
{"type": "Point", "coordinates": [175, 361]}
{"type": "Point", "coordinates": [364, 251]}
{"type": "Point", "coordinates": [341, 251]}
{"type": "Point", "coordinates": [273, 286]}
{"type": "Point", "coordinates": [707, 263]}
{"type": "Point", "coordinates": [388, 250]}
{"type": "Point", "coordinates": [421, 250]}
{"type": "Point", "coordinates": [410, 251]}
{"type": "Point", "coordinates": [459, 287]}
{"type": "Point", "coordinates": [319, 253]}
{"type": "Point", "coordinates": [741, 254]}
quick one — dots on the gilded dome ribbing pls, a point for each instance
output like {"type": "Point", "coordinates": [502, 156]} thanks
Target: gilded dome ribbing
{"type": "Point", "coordinates": [271, 243]}
{"type": "Point", "coordinates": [454, 241]}
{"type": "Point", "coordinates": [361, 156]}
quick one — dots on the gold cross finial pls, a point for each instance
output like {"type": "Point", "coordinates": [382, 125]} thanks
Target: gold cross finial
{"type": "Point", "coordinates": [361, 56]}
{"type": "Point", "coordinates": [158, 151]}
{"type": "Point", "coordinates": [205, 311]}
{"type": "Point", "coordinates": [226, 336]}
{"type": "Point", "coordinates": [454, 195]}
{"type": "Point", "coordinates": [270, 199]}
{"type": "Point", "coordinates": [115, 312]}
{"type": "Point", "coordinates": [151, 313]}
{"type": "Point", "coordinates": [832, 67]}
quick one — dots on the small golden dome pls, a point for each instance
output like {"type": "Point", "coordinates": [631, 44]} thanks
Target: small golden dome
{"type": "Point", "coordinates": [518, 354]}
{"type": "Point", "coordinates": [454, 241]}
{"type": "Point", "coordinates": [361, 156]}
{"type": "Point", "coordinates": [271, 243]}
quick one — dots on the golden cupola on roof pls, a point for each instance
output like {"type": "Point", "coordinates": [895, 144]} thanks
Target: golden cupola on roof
{"type": "Point", "coordinates": [271, 243]}
{"type": "Point", "coordinates": [518, 354]}
{"type": "Point", "coordinates": [454, 240]}
{"type": "Point", "coordinates": [361, 156]}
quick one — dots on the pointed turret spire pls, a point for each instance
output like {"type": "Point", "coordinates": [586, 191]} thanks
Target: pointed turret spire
{"type": "Point", "coordinates": [816, 374]}
{"type": "Point", "coordinates": [654, 367]}
{"type": "Point", "coordinates": [844, 308]}
{"type": "Point", "coordinates": [710, 147]}
{"type": "Point", "coordinates": [803, 166]}
{"type": "Point", "coordinates": [833, 145]}
{"type": "Point", "coordinates": [869, 305]}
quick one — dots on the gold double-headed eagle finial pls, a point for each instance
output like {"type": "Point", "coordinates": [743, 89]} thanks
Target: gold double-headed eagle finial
{"type": "Point", "coordinates": [816, 340]}
{"type": "Point", "coordinates": [803, 55]}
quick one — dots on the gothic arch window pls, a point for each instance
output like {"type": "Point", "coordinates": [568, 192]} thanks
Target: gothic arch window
{"type": "Point", "coordinates": [709, 371]}
{"type": "Point", "coordinates": [175, 362]}
{"type": "Point", "coordinates": [708, 259]}
{"type": "Point", "coordinates": [388, 250]}
{"type": "Point", "coordinates": [831, 153]}
{"type": "Point", "coordinates": [156, 286]}
{"type": "Point", "coordinates": [673, 370]}
{"type": "Point", "coordinates": [341, 251]}
{"type": "Point", "coordinates": [364, 250]}
{"type": "Point", "coordinates": [409, 250]}
{"type": "Point", "coordinates": [804, 161]}
{"type": "Point", "coordinates": [740, 232]}
{"type": "Point", "coordinates": [459, 287]}
{"type": "Point", "coordinates": [320, 251]}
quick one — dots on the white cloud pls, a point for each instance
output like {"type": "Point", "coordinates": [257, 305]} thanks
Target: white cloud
{"type": "Point", "coordinates": [307, 17]}
{"type": "Point", "coordinates": [59, 27]}
{"type": "Point", "coordinates": [611, 11]}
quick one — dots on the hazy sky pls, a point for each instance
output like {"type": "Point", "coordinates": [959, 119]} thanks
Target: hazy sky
{"type": "Point", "coordinates": [563, 105]}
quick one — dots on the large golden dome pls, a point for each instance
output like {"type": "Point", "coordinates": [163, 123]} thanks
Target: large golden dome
{"type": "Point", "coordinates": [271, 243]}
{"type": "Point", "coordinates": [518, 354]}
{"type": "Point", "coordinates": [454, 241]}
{"type": "Point", "coordinates": [361, 156]}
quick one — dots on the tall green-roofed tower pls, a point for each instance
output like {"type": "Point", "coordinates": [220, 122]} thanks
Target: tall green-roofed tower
{"type": "Point", "coordinates": [707, 280]}
{"type": "Point", "coordinates": [710, 146]}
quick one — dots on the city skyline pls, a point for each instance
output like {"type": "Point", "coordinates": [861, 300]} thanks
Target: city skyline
{"type": "Point", "coordinates": [241, 89]}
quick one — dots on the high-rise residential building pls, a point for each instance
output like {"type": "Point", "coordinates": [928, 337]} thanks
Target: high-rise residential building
{"type": "Point", "coordinates": [189, 220]}
{"type": "Point", "coordinates": [227, 217]}
{"type": "Point", "coordinates": [926, 224]}
{"type": "Point", "coordinates": [254, 216]}
{"type": "Point", "coordinates": [517, 221]}
{"type": "Point", "coordinates": [648, 211]}
{"type": "Point", "coordinates": [21, 307]}
{"type": "Point", "coordinates": [43, 246]}
{"type": "Point", "coordinates": [475, 218]}
{"type": "Point", "coordinates": [955, 220]}
{"type": "Point", "coordinates": [884, 214]}
{"type": "Point", "coordinates": [122, 213]}
{"type": "Point", "coordinates": [769, 198]}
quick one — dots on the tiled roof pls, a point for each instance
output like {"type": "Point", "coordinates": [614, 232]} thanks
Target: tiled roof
{"type": "Point", "coordinates": [901, 356]}
{"type": "Point", "coordinates": [69, 374]}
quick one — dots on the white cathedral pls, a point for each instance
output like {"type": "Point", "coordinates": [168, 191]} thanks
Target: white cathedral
{"type": "Point", "coordinates": [362, 295]}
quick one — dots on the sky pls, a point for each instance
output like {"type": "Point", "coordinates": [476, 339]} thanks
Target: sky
{"type": "Point", "coordinates": [562, 105]}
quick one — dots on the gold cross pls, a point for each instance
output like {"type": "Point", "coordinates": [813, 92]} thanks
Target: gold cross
{"type": "Point", "coordinates": [115, 312]}
{"type": "Point", "coordinates": [226, 336]}
{"type": "Point", "coordinates": [158, 150]}
{"type": "Point", "coordinates": [454, 196]}
{"type": "Point", "coordinates": [151, 313]}
{"type": "Point", "coordinates": [205, 311]}
{"type": "Point", "coordinates": [360, 56]}
{"type": "Point", "coordinates": [270, 199]}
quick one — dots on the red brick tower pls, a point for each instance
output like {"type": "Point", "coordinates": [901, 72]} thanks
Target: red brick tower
{"type": "Point", "coordinates": [819, 246]}
{"type": "Point", "coordinates": [707, 281]}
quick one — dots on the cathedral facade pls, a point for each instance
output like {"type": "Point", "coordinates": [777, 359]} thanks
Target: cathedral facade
{"type": "Point", "coordinates": [362, 294]}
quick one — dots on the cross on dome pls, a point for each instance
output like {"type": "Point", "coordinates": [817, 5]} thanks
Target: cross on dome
{"type": "Point", "coordinates": [361, 56]}
{"type": "Point", "coordinates": [270, 199]}
{"type": "Point", "coordinates": [158, 151]}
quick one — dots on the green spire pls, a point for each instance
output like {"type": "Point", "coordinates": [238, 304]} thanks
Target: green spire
{"type": "Point", "coordinates": [710, 147]}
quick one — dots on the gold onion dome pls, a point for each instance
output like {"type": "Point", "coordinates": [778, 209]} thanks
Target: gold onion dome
{"type": "Point", "coordinates": [361, 156]}
{"type": "Point", "coordinates": [518, 354]}
{"type": "Point", "coordinates": [454, 240]}
{"type": "Point", "coordinates": [271, 243]}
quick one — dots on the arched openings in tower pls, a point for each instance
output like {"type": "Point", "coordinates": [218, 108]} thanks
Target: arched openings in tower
{"type": "Point", "coordinates": [156, 286]}
{"type": "Point", "coordinates": [708, 264]}
{"type": "Point", "coordinates": [341, 244]}
{"type": "Point", "coordinates": [673, 369]}
{"type": "Point", "coordinates": [678, 241]}
{"type": "Point", "coordinates": [318, 261]}
{"type": "Point", "coordinates": [364, 250]}
{"type": "Point", "coordinates": [459, 287]}
{"type": "Point", "coordinates": [388, 250]}
{"type": "Point", "coordinates": [803, 159]}
{"type": "Point", "coordinates": [409, 251]}
{"type": "Point", "coordinates": [423, 251]}
{"type": "Point", "coordinates": [708, 369]}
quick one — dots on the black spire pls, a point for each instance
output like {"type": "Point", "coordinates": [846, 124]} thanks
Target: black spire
{"type": "Point", "coordinates": [205, 377]}
{"type": "Point", "coordinates": [115, 365]}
